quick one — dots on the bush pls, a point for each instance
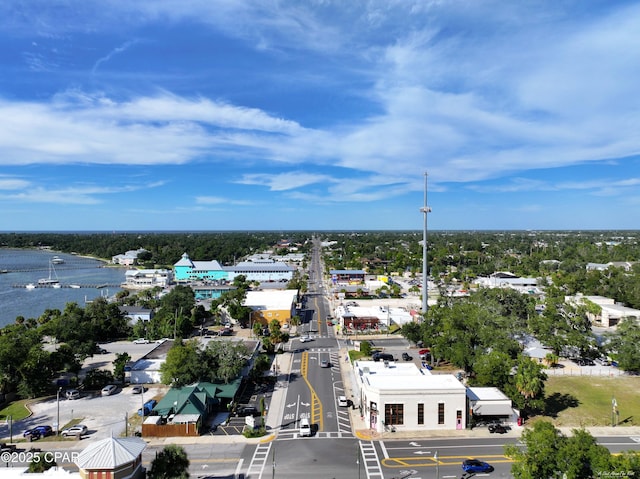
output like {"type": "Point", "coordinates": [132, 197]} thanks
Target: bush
{"type": "Point", "coordinates": [365, 348]}
{"type": "Point", "coordinates": [250, 432]}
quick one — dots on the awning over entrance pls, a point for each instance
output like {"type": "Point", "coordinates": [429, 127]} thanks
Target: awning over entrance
{"type": "Point", "coordinates": [488, 409]}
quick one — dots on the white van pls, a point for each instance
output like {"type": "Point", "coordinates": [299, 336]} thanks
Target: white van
{"type": "Point", "coordinates": [305, 427]}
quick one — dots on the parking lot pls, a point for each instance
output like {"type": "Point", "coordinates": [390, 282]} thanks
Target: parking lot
{"type": "Point", "coordinates": [103, 416]}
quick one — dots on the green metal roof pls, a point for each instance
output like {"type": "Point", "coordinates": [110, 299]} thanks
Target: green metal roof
{"type": "Point", "coordinates": [194, 399]}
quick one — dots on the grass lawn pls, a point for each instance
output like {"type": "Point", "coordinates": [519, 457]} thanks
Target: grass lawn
{"type": "Point", "coordinates": [17, 410]}
{"type": "Point", "coordinates": [586, 401]}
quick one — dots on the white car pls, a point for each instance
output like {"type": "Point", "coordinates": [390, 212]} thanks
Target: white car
{"type": "Point", "coordinates": [305, 339]}
{"type": "Point", "coordinates": [305, 428]}
{"type": "Point", "coordinates": [141, 341]}
{"type": "Point", "coordinates": [109, 390]}
{"type": "Point", "coordinates": [343, 401]}
{"type": "Point", "coordinates": [162, 340]}
{"type": "Point", "coordinates": [77, 430]}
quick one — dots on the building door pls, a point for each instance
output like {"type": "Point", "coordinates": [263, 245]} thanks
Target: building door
{"type": "Point", "coordinates": [458, 419]}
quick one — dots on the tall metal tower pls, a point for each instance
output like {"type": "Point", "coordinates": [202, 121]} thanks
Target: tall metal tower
{"type": "Point", "coordinates": [425, 283]}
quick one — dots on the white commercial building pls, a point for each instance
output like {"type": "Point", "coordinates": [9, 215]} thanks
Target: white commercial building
{"type": "Point", "coordinates": [384, 316]}
{"type": "Point", "coordinates": [402, 397]}
{"type": "Point", "coordinates": [610, 313]}
{"type": "Point", "coordinates": [147, 278]}
{"type": "Point", "coordinates": [491, 404]}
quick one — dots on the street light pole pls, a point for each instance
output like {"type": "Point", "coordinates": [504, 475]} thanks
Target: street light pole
{"type": "Point", "coordinates": [58, 407]}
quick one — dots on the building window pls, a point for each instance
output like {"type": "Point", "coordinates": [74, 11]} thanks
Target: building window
{"type": "Point", "coordinates": [441, 413]}
{"type": "Point", "coordinates": [421, 413]}
{"type": "Point", "coordinates": [394, 414]}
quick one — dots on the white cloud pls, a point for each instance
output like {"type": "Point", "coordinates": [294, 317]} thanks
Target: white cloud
{"type": "Point", "coordinates": [77, 194]}
{"type": "Point", "coordinates": [124, 47]}
{"type": "Point", "coordinates": [465, 90]}
{"type": "Point", "coordinates": [217, 200]}
{"type": "Point", "coordinates": [9, 183]}
{"type": "Point", "coordinates": [284, 181]}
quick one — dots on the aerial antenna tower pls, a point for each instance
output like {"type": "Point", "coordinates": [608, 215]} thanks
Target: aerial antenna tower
{"type": "Point", "coordinates": [425, 283]}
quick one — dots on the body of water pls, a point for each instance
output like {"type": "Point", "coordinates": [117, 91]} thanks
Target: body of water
{"type": "Point", "coordinates": [24, 266]}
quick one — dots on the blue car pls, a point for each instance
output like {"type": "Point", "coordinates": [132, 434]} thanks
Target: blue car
{"type": "Point", "coordinates": [38, 431]}
{"type": "Point", "coordinates": [474, 465]}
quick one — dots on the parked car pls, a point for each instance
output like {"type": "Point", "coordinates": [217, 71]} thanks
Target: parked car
{"type": "Point", "coordinates": [474, 465]}
{"type": "Point", "coordinates": [72, 394]}
{"type": "Point", "coordinates": [243, 411]}
{"type": "Point", "coordinates": [77, 430]}
{"type": "Point", "coordinates": [109, 390]}
{"type": "Point", "coordinates": [407, 357]}
{"type": "Point", "coordinates": [584, 362]}
{"type": "Point", "coordinates": [146, 409]}
{"type": "Point", "coordinates": [141, 341]}
{"type": "Point", "coordinates": [424, 353]}
{"type": "Point", "coordinates": [498, 428]}
{"type": "Point", "coordinates": [603, 362]}
{"type": "Point", "coordinates": [38, 431]}
{"type": "Point", "coordinates": [162, 340]}
{"type": "Point", "coordinates": [137, 389]}
{"type": "Point", "coordinates": [343, 401]}
{"type": "Point", "coordinates": [383, 357]}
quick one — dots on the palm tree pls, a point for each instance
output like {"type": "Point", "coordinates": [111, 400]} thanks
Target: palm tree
{"type": "Point", "coordinates": [529, 380]}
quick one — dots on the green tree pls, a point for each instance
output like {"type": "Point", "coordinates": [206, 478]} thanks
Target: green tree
{"type": "Point", "coordinates": [224, 359]}
{"type": "Point", "coordinates": [182, 365]}
{"type": "Point", "coordinates": [365, 348]}
{"type": "Point", "coordinates": [492, 369]}
{"type": "Point", "coordinates": [96, 379]}
{"type": "Point", "coordinates": [36, 373]}
{"type": "Point", "coordinates": [170, 463]}
{"type": "Point", "coordinates": [529, 381]}
{"type": "Point", "coordinates": [547, 453]}
{"type": "Point", "coordinates": [119, 365]}
{"type": "Point", "coordinates": [41, 463]}
{"type": "Point", "coordinates": [65, 359]}
{"type": "Point", "coordinates": [538, 459]}
{"type": "Point", "coordinates": [624, 345]}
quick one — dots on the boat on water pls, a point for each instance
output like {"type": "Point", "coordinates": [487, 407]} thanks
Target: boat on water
{"type": "Point", "coordinates": [74, 286]}
{"type": "Point", "coordinates": [57, 260]}
{"type": "Point", "coordinates": [52, 280]}
{"type": "Point", "coordinates": [30, 286]}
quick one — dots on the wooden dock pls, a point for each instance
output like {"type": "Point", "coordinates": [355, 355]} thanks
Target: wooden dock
{"type": "Point", "coordinates": [71, 285]}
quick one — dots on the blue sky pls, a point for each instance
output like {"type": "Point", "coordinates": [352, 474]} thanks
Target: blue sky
{"type": "Point", "coordinates": [319, 114]}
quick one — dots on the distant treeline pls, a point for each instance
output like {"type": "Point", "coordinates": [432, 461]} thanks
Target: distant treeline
{"type": "Point", "coordinates": [164, 249]}
{"type": "Point", "coordinates": [453, 256]}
